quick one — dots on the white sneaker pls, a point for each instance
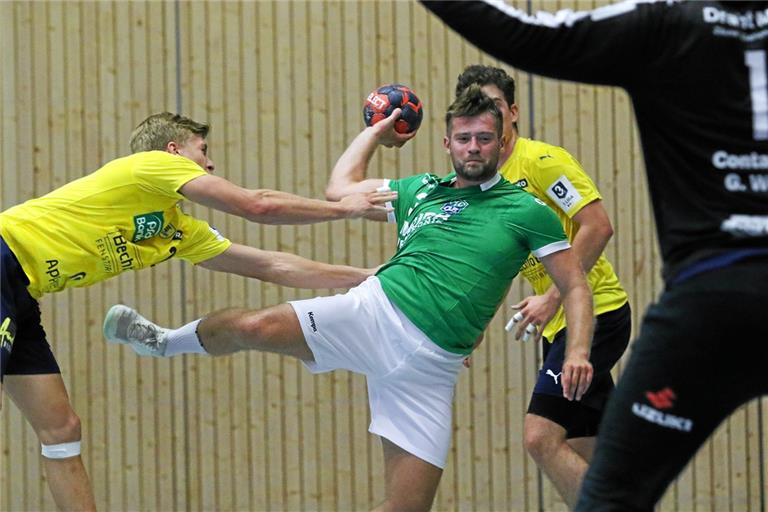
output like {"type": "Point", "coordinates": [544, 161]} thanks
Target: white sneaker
{"type": "Point", "coordinates": [125, 325]}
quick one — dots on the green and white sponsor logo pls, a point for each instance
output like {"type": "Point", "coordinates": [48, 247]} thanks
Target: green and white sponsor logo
{"type": "Point", "coordinates": [147, 225]}
{"type": "Point", "coordinates": [447, 210]}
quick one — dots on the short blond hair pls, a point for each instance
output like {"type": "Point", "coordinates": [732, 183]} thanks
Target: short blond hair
{"type": "Point", "coordinates": [156, 131]}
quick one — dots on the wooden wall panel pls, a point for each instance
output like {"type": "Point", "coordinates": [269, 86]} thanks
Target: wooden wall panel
{"type": "Point", "coordinates": [282, 84]}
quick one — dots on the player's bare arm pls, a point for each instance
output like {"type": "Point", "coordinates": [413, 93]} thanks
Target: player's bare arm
{"type": "Point", "coordinates": [274, 207]}
{"type": "Point", "coordinates": [595, 230]}
{"type": "Point", "coordinates": [285, 269]}
{"type": "Point", "coordinates": [565, 270]}
{"type": "Point", "coordinates": [349, 173]}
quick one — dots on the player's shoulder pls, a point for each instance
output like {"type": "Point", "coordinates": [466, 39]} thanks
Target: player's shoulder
{"type": "Point", "coordinates": [515, 195]}
{"type": "Point", "coordinates": [143, 160]}
{"type": "Point", "coordinates": [158, 158]}
{"type": "Point", "coordinates": [544, 154]}
{"type": "Point", "coordinates": [115, 172]}
{"type": "Point", "coordinates": [417, 181]}
{"type": "Point", "coordinates": [521, 208]}
{"type": "Point", "coordinates": [419, 177]}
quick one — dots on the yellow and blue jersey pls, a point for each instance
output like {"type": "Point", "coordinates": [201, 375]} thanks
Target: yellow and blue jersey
{"type": "Point", "coordinates": [554, 176]}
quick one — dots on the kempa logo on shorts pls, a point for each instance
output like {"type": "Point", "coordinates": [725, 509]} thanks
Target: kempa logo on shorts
{"type": "Point", "coordinates": [147, 225]}
{"type": "Point", "coordinates": [312, 323]}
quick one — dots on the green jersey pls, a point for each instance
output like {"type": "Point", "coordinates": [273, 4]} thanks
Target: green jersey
{"type": "Point", "coordinates": [458, 251]}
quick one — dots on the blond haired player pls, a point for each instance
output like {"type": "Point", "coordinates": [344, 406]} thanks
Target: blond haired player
{"type": "Point", "coordinates": [126, 216]}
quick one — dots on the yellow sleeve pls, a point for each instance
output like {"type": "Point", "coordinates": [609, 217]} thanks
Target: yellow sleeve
{"type": "Point", "coordinates": [199, 240]}
{"type": "Point", "coordinates": [564, 182]}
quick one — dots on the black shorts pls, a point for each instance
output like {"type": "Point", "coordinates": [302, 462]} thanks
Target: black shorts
{"type": "Point", "coordinates": [24, 349]}
{"type": "Point", "coordinates": [581, 419]}
{"type": "Point", "coordinates": [701, 353]}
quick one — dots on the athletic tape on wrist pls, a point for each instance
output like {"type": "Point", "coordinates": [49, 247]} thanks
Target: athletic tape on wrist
{"type": "Point", "coordinates": [60, 451]}
{"type": "Point", "coordinates": [391, 219]}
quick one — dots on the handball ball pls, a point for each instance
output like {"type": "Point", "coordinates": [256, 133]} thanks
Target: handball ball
{"type": "Point", "coordinates": [381, 102]}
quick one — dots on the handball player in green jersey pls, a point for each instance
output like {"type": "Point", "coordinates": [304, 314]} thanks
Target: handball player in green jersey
{"type": "Point", "coordinates": [462, 239]}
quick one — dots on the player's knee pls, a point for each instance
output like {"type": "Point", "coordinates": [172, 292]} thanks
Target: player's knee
{"type": "Point", "coordinates": [63, 428]}
{"type": "Point", "coordinates": [538, 444]}
{"type": "Point", "coordinates": [259, 327]}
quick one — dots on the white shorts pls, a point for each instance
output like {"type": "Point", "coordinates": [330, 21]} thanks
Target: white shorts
{"type": "Point", "coordinates": [410, 379]}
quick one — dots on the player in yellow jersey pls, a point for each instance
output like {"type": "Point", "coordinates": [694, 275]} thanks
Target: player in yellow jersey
{"type": "Point", "coordinates": [126, 216]}
{"type": "Point", "coordinates": [560, 434]}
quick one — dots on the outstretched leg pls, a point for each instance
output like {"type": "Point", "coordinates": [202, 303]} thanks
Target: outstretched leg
{"type": "Point", "coordinates": [275, 329]}
{"type": "Point", "coordinates": [44, 402]}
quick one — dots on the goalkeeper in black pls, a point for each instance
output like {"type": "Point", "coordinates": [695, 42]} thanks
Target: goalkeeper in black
{"type": "Point", "coordinates": [697, 74]}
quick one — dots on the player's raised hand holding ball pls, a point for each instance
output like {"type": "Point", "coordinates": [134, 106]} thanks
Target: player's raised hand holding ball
{"type": "Point", "coordinates": [395, 111]}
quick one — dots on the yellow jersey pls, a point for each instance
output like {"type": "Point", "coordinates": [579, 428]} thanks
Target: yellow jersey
{"type": "Point", "coordinates": [554, 176]}
{"type": "Point", "coordinates": [124, 216]}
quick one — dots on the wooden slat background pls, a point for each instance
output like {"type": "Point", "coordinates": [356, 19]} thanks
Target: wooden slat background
{"type": "Point", "coordinates": [282, 84]}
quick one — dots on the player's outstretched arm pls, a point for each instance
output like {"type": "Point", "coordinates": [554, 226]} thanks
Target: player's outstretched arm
{"type": "Point", "coordinates": [285, 269]}
{"type": "Point", "coordinates": [275, 207]}
{"type": "Point", "coordinates": [565, 270]}
{"type": "Point", "coordinates": [602, 46]}
{"type": "Point", "coordinates": [349, 173]}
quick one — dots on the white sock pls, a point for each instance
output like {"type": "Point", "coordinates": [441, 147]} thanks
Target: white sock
{"type": "Point", "coordinates": [184, 340]}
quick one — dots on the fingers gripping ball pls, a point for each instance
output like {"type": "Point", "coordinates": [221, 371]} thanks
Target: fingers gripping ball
{"type": "Point", "coordinates": [381, 102]}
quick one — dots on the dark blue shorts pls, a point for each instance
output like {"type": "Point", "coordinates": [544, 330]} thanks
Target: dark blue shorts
{"type": "Point", "coordinates": [24, 349]}
{"type": "Point", "coordinates": [581, 419]}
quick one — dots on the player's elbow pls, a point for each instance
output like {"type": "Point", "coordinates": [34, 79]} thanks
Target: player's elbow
{"type": "Point", "coordinates": [333, 192]}
{"type": "Point", "coordinates": [576, 287]}
{"type": "Point", "coordinates": [599, 232]}
{"type": "Point", "coordinates": [606, 231]}
{"type": "Point", "coordinates": [338, 190]}
{"type": "Point", "coordinates": [261, 208]}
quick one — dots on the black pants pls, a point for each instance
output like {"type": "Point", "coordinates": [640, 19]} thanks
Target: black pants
{"type": "Point", "coordinates": [24, 349]}
{"type": "Point", "coordinates": [687, 373]}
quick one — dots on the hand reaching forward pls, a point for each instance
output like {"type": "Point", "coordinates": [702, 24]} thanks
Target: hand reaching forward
{"type": "Point", "coordinates": [368, 204]}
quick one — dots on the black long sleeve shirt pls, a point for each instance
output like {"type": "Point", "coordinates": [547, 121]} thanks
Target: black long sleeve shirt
{"type": "Point", "coordinates": [697, 73]}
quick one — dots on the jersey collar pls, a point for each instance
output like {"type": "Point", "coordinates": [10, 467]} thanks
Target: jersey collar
{"type": "Point", "coordinates": [491, 182]}
{"type": "Point", "coordinates": [451, 179]}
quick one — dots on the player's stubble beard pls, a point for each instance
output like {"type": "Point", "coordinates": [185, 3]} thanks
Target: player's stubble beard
{"type": "Point", "coordinates": [479, 174]}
